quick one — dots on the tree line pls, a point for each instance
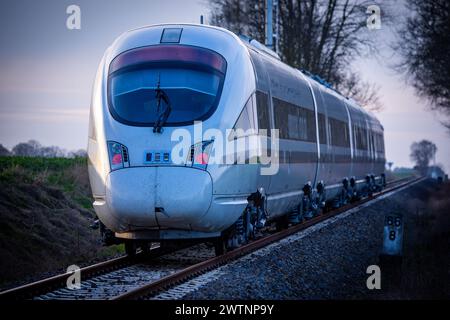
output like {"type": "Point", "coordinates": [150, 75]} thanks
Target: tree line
{"type": "Point", "coordinates": [321, 37]}
{"type": "Point", "coordinates": [424, 46]}
{"type": "Point", "coordinates": [324, 37]}
{"type": "Point", "coordinates": [422, 153]}
{"type": "Point", "coordinates": [33, 148]}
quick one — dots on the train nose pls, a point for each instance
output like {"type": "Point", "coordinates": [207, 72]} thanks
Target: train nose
{"type": "Point", "coordinates": [168, 197]}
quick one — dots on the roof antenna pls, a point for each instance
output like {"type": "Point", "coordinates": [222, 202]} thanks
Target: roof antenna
{"type": "Point", "coordinates": [201, 19]}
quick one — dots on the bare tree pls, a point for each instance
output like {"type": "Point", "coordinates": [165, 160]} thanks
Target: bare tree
{"type": "Point", "coordinates": [80, 153]}
{"type": "Point", "coordinates": [51, 152]}
{"type": "Point", "coordinates": [240, 16]}
{"type": "Point", "coordinates": [33, 148]}
{"type": "Point", "coordinates": [390, 164]}
{"type": "Point", "coordinates": [4, 151]}
{"type": "Point", "coordinates": [421, 153]}
{"type": "Point", "coordinates": [27, 149]}
{"type": "Point", "coordinates": [320, 36]}
{"type": "Point", "coordinates": [363, 92]}
{"type": "Point", "coordinates": [424, 44]}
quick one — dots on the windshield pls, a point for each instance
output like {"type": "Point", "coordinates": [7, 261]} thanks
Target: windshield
{"type": "Point", "coordinates": [192, 83]}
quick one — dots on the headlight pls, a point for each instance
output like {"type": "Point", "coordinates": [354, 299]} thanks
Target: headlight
{"type": "Point", "coordinates": [118, 155]}
{"type": "Point", "coordinates": [198, 156]}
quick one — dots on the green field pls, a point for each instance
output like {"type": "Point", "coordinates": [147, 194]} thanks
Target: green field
{"type": "Point", "coordinates": [68, 175]}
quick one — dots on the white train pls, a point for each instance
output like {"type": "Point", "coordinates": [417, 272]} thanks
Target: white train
{"type": "Point", "coordinates": [157, 79]}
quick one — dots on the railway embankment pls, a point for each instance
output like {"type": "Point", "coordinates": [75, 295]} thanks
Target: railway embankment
{"type": "Point", "coordinates": [45, 213]}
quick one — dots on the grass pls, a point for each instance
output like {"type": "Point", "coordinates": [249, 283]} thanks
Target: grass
{"type": "Point", "coordinates": [68, 175]}
{"type": "Point", "coordinates": [423, 272]}
{"type": "Point", "coordinates": [39, 164]}
{"type": "Point", "coordinates": [394, 175]}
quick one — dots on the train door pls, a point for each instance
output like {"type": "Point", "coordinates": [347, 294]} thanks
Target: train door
{"type": "Point", "coordinates": [324, 168]}
{"type": "Point", "coordinates": [357, 165]}
{"type": "Point", "coordinates": [263, 109]}
{"type": "Point", "coordinates": [339, 137]}
{"type": "Point", "coordinates": [371, 147]}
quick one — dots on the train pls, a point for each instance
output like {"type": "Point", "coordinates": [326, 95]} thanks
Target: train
{"type": "Point", "coordinates": [311, 148]}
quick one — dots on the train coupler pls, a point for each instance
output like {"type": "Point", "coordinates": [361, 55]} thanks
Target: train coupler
{"type": "Point", "coordinates": [108, 237]}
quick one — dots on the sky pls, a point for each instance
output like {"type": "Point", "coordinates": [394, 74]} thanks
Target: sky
{"type": "Point", "coordinates": [47, 72]}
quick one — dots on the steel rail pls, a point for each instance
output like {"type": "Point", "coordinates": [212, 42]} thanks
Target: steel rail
{"type": "Point", "coordinates": [36, 288]}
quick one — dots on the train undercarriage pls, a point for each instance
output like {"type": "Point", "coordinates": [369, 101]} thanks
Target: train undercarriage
{"type": "Point", "coordinates": [255, 218]}
{"type": "Point", "coordinates": [313, 203]}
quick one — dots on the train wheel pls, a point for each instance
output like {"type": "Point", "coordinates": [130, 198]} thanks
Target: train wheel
{"type": "Point", "coordinates": [130, 248]}
{"type": "Point", "coordinates": [145, 247]}
{"type": "Point", "coordinates": [220, 246]}
{"type": "Point", "coordinates": [282, 223]}
{"type": "Point", "coordinates": [328, 207]}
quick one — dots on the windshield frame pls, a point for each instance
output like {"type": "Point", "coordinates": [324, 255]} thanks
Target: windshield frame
{"type": "Point", "coordinates": [175, 64]}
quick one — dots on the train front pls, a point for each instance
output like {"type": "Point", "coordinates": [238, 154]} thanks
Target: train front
{"type": "Point", "coordinates": [152, 86]}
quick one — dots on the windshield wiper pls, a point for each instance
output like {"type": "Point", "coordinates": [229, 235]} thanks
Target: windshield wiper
{"type": "Point", "coordinates": [164, 114]}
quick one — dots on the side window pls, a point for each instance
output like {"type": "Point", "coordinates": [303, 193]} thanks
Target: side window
{"type": "Point", "coordinates": [303, 126]}
{"type": "Point", "coordinates": [333, 127]}
{"type": "Point", "coordinates": [246, 122]}
{"type": "Point", "coordinates": [346, 141]}
{"type": "Point", "coordinates": [281, 118]}
{"type": "Point", "coordinates": [364, 139]}
{"type": "Point", "coordinates": [372, 142]}
{"type": "Point", "coordinates": [380, 142]}
{"type": "Point", "coordinates": [294, 122]}
{"type": "Point", "coordinates": [339, 133]}
{"type": "Point", "coordinates": [361, 138]}
{"type": "Point", "coordinates": [262, 108]}
{"type": "Point", "coordinates": [355, 136]}
{"type": "Point", "coordinates": [295, 127]}
{"type": "Point", "coordinates": [358, 137]}
{"type": "Point", "coordinates": [322, 129]}
{"type": "Point", "coordinates": [376, 143]}
{"type": "Point", "coordinates": [311, 119]}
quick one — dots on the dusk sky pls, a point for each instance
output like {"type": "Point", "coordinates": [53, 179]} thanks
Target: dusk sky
{"type": "Point", "coordinates": [47, 73]}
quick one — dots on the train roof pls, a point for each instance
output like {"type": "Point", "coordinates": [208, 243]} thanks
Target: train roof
{"type": "Point", "coordinates": [324, 85]}
{"type": "Point", "coordinates": [272, 55]}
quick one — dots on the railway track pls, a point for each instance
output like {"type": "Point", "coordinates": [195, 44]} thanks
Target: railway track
{"type": "Point", "coordinates": [112, 277]}
{"type": "Point", "coordinates": [146, 275]}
